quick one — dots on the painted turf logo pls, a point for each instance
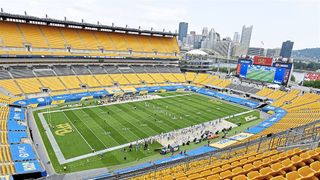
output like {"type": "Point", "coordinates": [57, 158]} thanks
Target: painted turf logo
{"type": "Point", "coordinates": [63, 129]}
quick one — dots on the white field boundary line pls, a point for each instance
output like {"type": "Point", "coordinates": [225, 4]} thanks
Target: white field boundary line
{"type": "Point", "coordinates": [62, 160]}
{"type": "Point", "coordinates": [53, 142]}
{"type": "Point", "coordinates": [151, 97]}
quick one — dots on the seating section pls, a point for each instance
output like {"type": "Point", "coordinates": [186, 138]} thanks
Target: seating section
{"type": "Point", "coordinates": [6, 164]}
{"type": "Point", "coordinates": [10, 35]}
{"type": "Point", "coordinates": [52, 82]}
{"type": "Point", "coordinates": [146, 78]}
{"type": "Point", "coordinates": [132, 78]}
{"type": "Point", "coordinates": [62, 78]}
{"type": "Point", "coordinates": [301, 110]}
{"type": "Point", "coordinates": [29, 85]}
{"type": "Point", "coordinates": [276, 94]}
{"type": "Point", "coordinates": [200, 78]}
{"type": "Point", "coordinates": [33, 35]}
{"type": "Point", "coordinates": [223, 83]}
{"type": "Point", "coordinates": [4, 98]}
{"type": "Point", "coordinates": [170, 78]}
{"type": "Point", "coordinates": [158, 77]}
{"type": "Point", "coordinates": [287, 98]}
{"type": "Point", "coordinates": [190, 76]}
{"type": "Point", "coordinates": [119, 78]}
{"type": "Point", "coordinates": [243, 88]}
{"type": "Point", "coordinates": [290, 164]}
{"type": "Point", "coordinates": [61, 41]}
{"type": "Point", "coordinates": [71, 82]}
{"type": "Point", "coordinates": [104, 79]}
{"type": "Point", "coordinates": [89, 80]}
{"type": "Point", "coordinates": [264, 92]}
{"type": "Point", "coordinates": [11, 86]}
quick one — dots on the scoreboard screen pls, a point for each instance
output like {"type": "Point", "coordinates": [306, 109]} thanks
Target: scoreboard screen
{"type": "Point", "coordinates": [251, 69]}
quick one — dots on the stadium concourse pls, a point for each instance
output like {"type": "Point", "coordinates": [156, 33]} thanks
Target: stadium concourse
{"type": "Point", "coordinates": [52, 63]}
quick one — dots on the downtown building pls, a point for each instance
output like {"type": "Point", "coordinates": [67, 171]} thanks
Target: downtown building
{"type": "Point", "coordinates": [286, 49]}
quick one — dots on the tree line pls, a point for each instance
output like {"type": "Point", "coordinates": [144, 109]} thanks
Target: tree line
{"type": "Point", "coordinates": [312, 66]}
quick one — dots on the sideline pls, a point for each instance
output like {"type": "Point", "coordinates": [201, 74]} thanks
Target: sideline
{"type": "Point", "coordinates": [149, 97]}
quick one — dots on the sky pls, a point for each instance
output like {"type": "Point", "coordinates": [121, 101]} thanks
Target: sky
{"type": "Point", "coordinates": [274, 21]}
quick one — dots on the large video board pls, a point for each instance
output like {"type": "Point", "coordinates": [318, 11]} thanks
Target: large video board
{"type": "Point", "coordinates": [264, 70]}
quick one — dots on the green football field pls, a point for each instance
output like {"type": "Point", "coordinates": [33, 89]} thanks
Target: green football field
{"type": "Point", "coordinates": [79, 131]}
{"type": "Point", "coordinates": [261, 75]}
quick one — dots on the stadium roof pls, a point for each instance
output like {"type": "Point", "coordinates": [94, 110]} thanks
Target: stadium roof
{"type": "Point", "coordinates": [67, 23]}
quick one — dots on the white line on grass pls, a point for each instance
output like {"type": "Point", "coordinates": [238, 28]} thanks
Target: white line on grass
{"type": "Point", "coordinates": [114, 128]}
{"type": "Point", "coordinates": [77, 130]}
{"type": "Point", "coordinates": [103, 129]}
{"type": "Point", "coordinates": [51, 138]}
{"type": "Point", "coordinates": [91, 131]}
{"type": "Point", "coordinates": [122, 102]}
{"type": "Point", "coordinates": [146, 119]}
{"type": "Point", "coordinates": [62, 160]}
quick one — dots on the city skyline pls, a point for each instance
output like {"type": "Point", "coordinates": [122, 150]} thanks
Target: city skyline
{"type": "Point", "coordinates": [281, 20]}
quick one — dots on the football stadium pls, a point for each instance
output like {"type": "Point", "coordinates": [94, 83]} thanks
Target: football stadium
{"type": "Point", "coordinates": [91, 101]}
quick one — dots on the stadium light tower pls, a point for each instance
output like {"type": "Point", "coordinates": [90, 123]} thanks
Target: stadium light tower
{"type": "Point", "coordinates": [1, 10]}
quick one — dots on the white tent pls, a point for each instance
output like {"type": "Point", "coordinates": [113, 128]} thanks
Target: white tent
{"type": "Point", "coordinates": [274, 86]}
{"type": "Point", "coordinates": [197, 52]}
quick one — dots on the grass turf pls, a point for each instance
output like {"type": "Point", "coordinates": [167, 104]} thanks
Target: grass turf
{"type": "Point", "coordinates": [124, 124]}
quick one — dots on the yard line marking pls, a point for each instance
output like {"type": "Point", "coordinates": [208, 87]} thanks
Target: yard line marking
{"type": "Point", "coordinates": [91, 131]}
{"type": "Point", "coordinates": [139, 121]}
{"type": "Point", "coordinates": [98, 115]}
{"type": "Point", "coordinates": [124, 126]}
{"type": "Point", "coordinates": [102, 129]}
{"type": "Point", "coordinates": [77, 130]}
{"type": "Point", "coordinates": [113, 127]}
{"type": "Point", "coordinates": [62, 160]}
{"type": "Point", "coordinates": [149, 121]}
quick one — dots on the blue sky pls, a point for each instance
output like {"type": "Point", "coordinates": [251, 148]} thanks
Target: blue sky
{"type": "Point", "coordinates": [274, 21]}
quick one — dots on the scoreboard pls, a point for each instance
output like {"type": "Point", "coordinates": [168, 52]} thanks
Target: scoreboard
{"type": "Point", "coordinates": [263, 69]}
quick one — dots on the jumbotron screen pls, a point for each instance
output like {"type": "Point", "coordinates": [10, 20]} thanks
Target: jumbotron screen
{"type": "Point", "coordinates": [264, 70]}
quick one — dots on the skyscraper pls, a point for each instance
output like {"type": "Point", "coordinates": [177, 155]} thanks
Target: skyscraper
{"type": "Point", "coordinates": [183, 30]}
{"type": "Point", "coordinates": [205, 32]}
{"type": "Point", "coordinates": [210, 41]}
{"type": "Point", "coordinates": [236, 37]}
{"type": "Point", "coordinates": [286, 49]}
{"type": "Point", "coordinates": [246, 36]}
